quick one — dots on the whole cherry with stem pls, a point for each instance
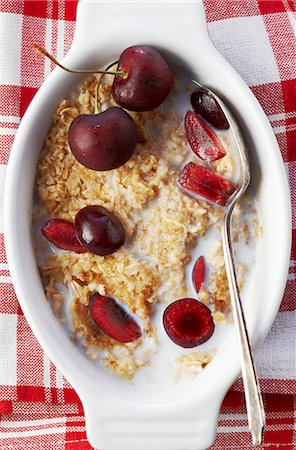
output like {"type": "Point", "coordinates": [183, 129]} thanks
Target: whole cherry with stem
{"type": "Point", "coordinates": [142, 82]}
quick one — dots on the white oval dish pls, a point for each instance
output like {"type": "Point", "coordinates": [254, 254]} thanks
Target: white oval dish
{"type": "Point", "coordinates": [121, 415]}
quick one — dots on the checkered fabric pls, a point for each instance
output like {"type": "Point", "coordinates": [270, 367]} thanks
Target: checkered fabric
{"type": "Point", "coordinates": [38, 407]}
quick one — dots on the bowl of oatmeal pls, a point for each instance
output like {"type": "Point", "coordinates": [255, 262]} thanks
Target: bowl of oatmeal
{"type": "Point", "coordinates": [156, 382]}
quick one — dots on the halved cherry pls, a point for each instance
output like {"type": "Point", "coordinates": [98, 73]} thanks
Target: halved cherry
{"type": "Point", "coordinates": [206, 183]}
{"type": "Point", "coordinates": [198, 273]}
{"type": "Point", "coordinates": [188, 322]}
{"type": "Point", "coordinates": [112, 319]}
{"type": "Point", "coordinates": [202, 140]}
{"type": "Point", "coordinates": [62, 234]}
{"type": "Point", "coordinates": [207, 106]}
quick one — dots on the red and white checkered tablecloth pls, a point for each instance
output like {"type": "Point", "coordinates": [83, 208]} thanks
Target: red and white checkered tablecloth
{"type": "Point", "coordinates": [38, 407]}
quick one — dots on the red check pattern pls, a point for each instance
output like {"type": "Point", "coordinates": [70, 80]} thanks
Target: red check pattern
{"type": "Point", "coordinates": [38, 408]}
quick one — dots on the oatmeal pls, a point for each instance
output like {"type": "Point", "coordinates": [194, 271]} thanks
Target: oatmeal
{"type": "Point", "coordinates": [162, 225]}
{"type": "Point", "coordinates": [188, 365]}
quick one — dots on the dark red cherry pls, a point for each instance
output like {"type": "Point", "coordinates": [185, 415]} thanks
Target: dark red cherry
{"type": "Point", "coordinates": [62, 234]}
{"type": "Point", "coordinates": [143, 79]}
{"type": "Point", "coordinates": [202, 139]}
{"type": "Point", "coordinates": [103, 141]}
{"type": "Point", "coordinates": [206, 183]}
{"type": "Point", "coordinates": [188, 322]}
{"type": "Point", "coordinates": [198, 273]}
{"type": "Point", "coordinates": [99, 230]}
{"type": "Point", "coordinates": [207, 106]}
{"type": "Point", "coordinates": [147, 82]}
{"type": "Point", "coordinates": [112, 319]}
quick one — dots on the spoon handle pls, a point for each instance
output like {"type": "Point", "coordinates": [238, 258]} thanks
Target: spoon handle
{"type": "Point", "coordinates": [255, 410]}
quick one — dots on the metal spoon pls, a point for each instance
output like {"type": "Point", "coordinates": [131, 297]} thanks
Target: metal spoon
{"type": "Point", "coordinates": [255, 409]}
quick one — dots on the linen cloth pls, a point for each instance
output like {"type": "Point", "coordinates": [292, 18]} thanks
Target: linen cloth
{"type": "Point", "coordinates": [38, 407]}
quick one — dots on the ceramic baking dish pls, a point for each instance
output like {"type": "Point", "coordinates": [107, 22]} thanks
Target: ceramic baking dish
{"type": "Point", "coordinates": [121, 415]}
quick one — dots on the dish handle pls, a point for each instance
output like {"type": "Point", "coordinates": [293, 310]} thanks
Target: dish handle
{"type": "Point", "coordinates": [120, 425]}
{"type": "Point", "coordinates": [104, 25]}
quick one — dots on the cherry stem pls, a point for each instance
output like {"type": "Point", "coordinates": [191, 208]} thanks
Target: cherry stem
{"type": "Point", "coordinates": [96, 109]}
{"type": "Point", "coordinates": [43, 52]}
{"type": "Point", "coordinates": [97, 96]}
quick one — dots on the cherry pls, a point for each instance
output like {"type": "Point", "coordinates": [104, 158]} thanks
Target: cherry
{"type": "Point", "coordinates": [141, 83]}
{"type": "Point", "coordinates": [147, 82]}
{"type": "Point", "coordinates": [99, 230]}
{"type": "Point", "coordinates": [206, 183]}
{"type": "Point", "coordinates": [198, 273]}
{"type": "Point", "coordinates": [188, 322]}
{"type": "Point", "coordinates": [112, 319]}
{"type": "Point", "coordinates": [202, 140]}
{"type": "Point", "coordinates": [207, 106]}
{"type": "Point", "coordinates": [103, 141]}
{"type": "Point", "coordinates": [62, 234]}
